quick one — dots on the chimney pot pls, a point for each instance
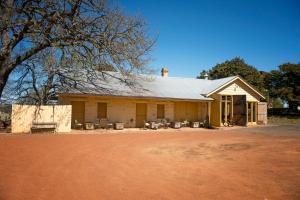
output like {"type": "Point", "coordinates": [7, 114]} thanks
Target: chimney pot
{"type": "Point", "coordinates": [164, 72]}
{"type": "Point", "coordinates": [206, 76]}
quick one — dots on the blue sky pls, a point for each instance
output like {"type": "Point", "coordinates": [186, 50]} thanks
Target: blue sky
{"type": "Point", "coordinates": [194, 35]}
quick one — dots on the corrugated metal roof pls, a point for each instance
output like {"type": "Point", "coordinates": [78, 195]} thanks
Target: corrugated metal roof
{"type": "Point", "coordinates": [114, 84]}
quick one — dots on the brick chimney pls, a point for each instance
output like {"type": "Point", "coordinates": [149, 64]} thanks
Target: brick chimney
{"type": "Point", "coordinates": [164, 72]}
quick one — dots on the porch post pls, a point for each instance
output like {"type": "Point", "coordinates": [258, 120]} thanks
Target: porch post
{"type": "Point", "coordinates": [231, 107]}
{"type": "Point", "coordinates": [246, 113]}
{"type": "Point", "coordinates": [208, 111]}
{"type": "Point", "coordinates": [256, 112]}
{"type": "Point", "coordinates": [251, 112]}
{"type": "Point", "coordinates": [225, 109]}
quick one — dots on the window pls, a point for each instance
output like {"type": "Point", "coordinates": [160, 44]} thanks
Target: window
{"type": "Point", "coordinates": [102, 110]}
{"type": "Point", "coordinates": [160, 111]}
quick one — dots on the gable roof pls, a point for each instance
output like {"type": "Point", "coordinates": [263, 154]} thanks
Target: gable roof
{"type": "Point", "coordinates": [229, 81]}
{"type": "Point", "coordinates": [114, 84]}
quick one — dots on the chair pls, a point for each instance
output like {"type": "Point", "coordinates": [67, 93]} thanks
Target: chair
{"type": "Point", "coordinates": [78, 125]}
{"type": "Point", "coordinates": [231, 122]}
{"type": "Point", "coordinates": [166, 123]}
{"type": "Point", "coordinates": [146, 125]}
{"type": "Point", "coordinates": [176, 125]}
{"type": "Point", "coordinates": [97, 123]}
{"type": "Point", "coordinates": [103, 123]}
{"type": "Point", "coordinates": [159, 123]}
{"type": "Point", "coordinates": [154, 125]}
{"type": "Point", "coordinates": [110, 125]}
{"type": "Point", "coordinates": [202, 124]}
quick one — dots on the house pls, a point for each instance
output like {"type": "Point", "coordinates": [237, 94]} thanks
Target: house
{"type": "Point", "coordinates": [148, 98]}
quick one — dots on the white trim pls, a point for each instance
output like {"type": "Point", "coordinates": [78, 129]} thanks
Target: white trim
{"type": "Point", "coordinates": [229, 82]}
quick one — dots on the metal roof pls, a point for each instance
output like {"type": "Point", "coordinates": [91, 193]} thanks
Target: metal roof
{"type": "Point", "coordinates": [114, 84]}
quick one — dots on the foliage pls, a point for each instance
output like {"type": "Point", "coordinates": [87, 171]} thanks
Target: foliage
{"type": "Point", "coordinates": [278, 86]}
{"type": "Point", "coordinates": [234, 67]}
{"type": "Point", "coordinates": [5, 108]}
{"type": "Point", "coordinates": [84, 34]}
{"type": "Point", "coordinates": [276, 103]}
{"type": "Point", "coordinates": [284, 83]}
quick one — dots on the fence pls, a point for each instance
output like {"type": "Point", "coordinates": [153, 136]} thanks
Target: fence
{"type": "Point", "coordinates": [23, 116]}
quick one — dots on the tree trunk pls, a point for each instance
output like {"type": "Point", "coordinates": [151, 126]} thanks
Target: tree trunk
{"type": "Point", "coordinates": [3, 79]}
{"type": "Point", "coordinates": [5, 70]}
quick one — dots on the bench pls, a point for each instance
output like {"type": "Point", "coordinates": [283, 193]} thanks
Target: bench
{"type": "Point", "coordinates": [43, 127]}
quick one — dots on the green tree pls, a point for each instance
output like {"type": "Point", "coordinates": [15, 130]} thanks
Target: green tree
{"type": "Point", "coordinates": [237, 66]}
{"type": "Point", "coordinates": [277, 103]}
{"type": "Point", "coordinates": [284, 83]}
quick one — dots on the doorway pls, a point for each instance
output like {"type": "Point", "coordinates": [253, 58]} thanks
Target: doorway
{"type": "Point", "coordinates": [252, 112]}
{"type": "Point", "coordinates": [141, 114]}
{"type": "Point", "coordinates": [186, 111]}
{"type": "Point", "coordinates": [78, 110]}
{"type": "Point", "coordinates": [226, 108]}
{"type": "Point", "coordinates": [240, 110]}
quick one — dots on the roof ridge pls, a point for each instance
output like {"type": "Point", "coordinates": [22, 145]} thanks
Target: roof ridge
{"type": "Point", "coordinates": [229, 77]}
{"type": "Point", "coordinates": [174, 77]}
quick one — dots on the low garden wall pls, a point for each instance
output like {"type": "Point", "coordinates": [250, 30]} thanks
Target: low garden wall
{"type": "Point", "coordinates": [23, 116]}
{"type": "Point", "coordinates": [262, 113]}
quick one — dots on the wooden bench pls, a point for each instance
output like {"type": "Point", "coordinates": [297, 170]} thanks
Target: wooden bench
{"type": "Point", "coordinates": [43, 127]}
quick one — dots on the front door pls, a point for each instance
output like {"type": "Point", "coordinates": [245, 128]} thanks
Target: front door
{"type": "Point", "coordinates": [141, 114]}
{"type": "Point", "coordinates": [78, 112]}
{"type": "Point", "coordinates": [186, 111]}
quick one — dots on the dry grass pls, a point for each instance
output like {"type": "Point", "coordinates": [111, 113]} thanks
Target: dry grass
{"type": "Point", "coordinates": [284, 120]}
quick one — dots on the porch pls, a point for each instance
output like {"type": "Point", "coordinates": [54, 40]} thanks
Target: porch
{"type": "Point", "coordinates": [234, 110]}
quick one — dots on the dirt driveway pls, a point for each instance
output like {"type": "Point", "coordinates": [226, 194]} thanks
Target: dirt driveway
{"type": "Point", "coordinates": [254, 163]}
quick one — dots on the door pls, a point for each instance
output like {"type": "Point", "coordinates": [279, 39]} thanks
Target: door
{"type": "Point", "coordinates": [160, 111]}
{"type": "Point", "coordinates": [192, 111]}
{"type": "Point", "coordinates": [179, 111]}
{"type": "Point", "coordinates": [186, 111]}
{"type": "Point", "coordinates": [240, 110]}
{"type": "Point", "coordinates": [78, 111]}
{"type": "Point", "coordinates": [141, 114]}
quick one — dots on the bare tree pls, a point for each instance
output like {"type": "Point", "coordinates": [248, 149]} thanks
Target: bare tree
{"type": "Point", "coordinates": [36, 80]}
{"type": "Point", "coordinates": [40, 77]}
{"type": "Point", "coordinates": [85, 33]}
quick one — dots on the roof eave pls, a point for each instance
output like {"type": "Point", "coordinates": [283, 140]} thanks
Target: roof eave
{"type": "Point", "coordinates": [138, 97]}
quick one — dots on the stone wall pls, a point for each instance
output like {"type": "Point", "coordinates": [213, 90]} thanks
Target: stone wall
{"type": "Point", "coordinates": [23, 116]}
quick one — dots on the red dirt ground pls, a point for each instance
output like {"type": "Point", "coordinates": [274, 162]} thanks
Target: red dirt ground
{"type": "Point", "coordinates": [255, 163]}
